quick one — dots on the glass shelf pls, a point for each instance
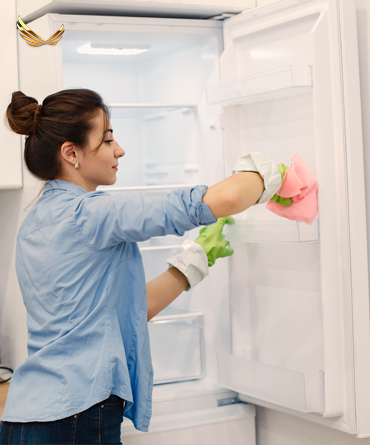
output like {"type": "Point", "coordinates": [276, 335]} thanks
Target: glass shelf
{"type": "Point", "coordinates": [275, 84]}
{"type": "Point", "coordinates": [303, 392]}
{"type": "Point", "coordinates": [165, 242]}
{"type": "Point", "coordinates": [145, 188]}
{"type": "Point", "coordinates": [284, 231]}
{"type": "Point", "coordinates": [156, 248]}
{"type": "Point", "coordinates": [148, 111]}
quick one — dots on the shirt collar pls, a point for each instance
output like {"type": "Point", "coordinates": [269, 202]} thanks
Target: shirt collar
{"type": "Point", "coordinates": [60, 184]}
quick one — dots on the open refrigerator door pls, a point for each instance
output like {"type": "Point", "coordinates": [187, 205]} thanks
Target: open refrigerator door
{"type": "Point", "coordinates": [290, 84]}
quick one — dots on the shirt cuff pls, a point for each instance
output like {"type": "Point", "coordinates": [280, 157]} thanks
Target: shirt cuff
{"type": "Point", "coordinates": [192, 261]}
{"type": "Point", "coordinates": [200, 211]}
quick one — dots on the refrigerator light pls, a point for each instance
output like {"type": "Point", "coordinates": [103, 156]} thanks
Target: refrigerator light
{"type": "Point", "coordinates": [112, 50]}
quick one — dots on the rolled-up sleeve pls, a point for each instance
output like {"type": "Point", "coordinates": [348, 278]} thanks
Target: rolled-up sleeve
{"type": "Point", "coordinates": [105, 219]}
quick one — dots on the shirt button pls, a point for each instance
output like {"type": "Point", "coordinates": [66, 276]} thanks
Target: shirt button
{"type": "Point", "coordinates": [75, 416]}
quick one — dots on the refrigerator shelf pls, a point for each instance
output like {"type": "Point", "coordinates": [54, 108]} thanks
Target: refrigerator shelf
{"type": "Point", "coordinates": [149, 110]}
{"type": "Point", "coordinates": [300, 391]}
{"type": "Point", "coordinates": [150, 248]}
{"type": "Point", "coordinates": [284, 231]}
{"type": "Point", "coordinates": [144, 188]}
{"type": "Point", "coordinates": [283, 82]}
{"type": "Point", "coordinates": [156, 250]}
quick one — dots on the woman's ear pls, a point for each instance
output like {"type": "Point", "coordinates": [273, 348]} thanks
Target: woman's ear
{"type": "Point", "coordinates": [69, 153]}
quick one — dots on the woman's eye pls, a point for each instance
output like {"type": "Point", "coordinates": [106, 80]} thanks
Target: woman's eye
{"type": "Point", "coordinates": [109, 141]}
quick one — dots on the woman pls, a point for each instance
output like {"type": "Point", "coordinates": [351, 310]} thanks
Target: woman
{"type": "Point", "coordinates": [81, 274]}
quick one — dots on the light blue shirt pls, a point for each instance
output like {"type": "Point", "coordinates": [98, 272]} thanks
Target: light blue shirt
{"type": "Point", "coordinates": [82, 280]}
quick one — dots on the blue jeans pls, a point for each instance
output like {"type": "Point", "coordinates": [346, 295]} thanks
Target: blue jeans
{"type": "Point", "coordinates": [100, 424]}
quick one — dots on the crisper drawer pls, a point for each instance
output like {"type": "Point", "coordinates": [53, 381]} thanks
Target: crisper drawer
{"type": "Point", "coordinates": [176, 340]}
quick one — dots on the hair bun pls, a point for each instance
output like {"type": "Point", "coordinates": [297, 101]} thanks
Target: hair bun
{"type": "Point", "coordinates": [22, 113]}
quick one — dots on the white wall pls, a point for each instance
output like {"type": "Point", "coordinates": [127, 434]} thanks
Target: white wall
{"type": "Point", "coordinates": [12, 202]}
{"type": "Point", "coordinates": [10, 146]}
{"type": "Point", "coordinates": [13, 332]}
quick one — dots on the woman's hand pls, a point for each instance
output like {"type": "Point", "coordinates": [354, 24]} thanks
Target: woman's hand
{"type": "Point", "coordinates": [286, 202]}
{"type": "Point", "coordinates": [213, 242]}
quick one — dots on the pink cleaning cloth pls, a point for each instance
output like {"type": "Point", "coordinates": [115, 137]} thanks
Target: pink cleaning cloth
{"type": "Point", "coordinates": [300, 185]}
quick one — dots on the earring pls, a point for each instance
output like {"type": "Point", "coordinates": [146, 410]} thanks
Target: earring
{"type": "Point", "coordinates": [76, 165]}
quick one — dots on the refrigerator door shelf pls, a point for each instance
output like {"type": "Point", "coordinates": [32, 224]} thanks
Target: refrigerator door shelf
{"type": "Point", "coordinates": [284, 231]}
{"type": "Point", "coordinates": [268, 85]}
{"type": "Point", "coordinates": [300, 391]}
{"type": "Point", "coordinates": [176, 338]}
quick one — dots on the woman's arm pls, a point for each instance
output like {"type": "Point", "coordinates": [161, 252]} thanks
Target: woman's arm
{"type": "Point", "coordinates": [228, 197]}
{"type": "Point", "coordinates": [234, 194]}
{"type": "Point", "coordinates": [164, 289]}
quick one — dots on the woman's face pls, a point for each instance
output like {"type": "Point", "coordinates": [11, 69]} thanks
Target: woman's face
{"type": "Point", "coordinates": [99, 167]}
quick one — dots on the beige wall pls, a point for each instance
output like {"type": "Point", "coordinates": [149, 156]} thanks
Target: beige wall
{"type": "Point", "coordinates": [266, 2]}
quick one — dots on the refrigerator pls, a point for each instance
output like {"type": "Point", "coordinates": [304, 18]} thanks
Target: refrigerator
{"type": "Point", "coordinates": [284, 322]}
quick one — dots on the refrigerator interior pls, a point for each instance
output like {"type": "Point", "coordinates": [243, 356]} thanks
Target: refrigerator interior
{"type": "Point", "coordinates": [153, 96]}
{"type": "Point", "coordinates": [161, 119]}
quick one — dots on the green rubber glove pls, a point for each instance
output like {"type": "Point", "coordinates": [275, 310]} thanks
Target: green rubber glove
{"type": "Point", "coordinates": [213, 242]}
{"type": "Point", "coordinates": [287, 202]}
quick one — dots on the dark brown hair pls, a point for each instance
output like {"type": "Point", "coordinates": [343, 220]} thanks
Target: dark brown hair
{"type": "Point", "coordinates": [66, 116]}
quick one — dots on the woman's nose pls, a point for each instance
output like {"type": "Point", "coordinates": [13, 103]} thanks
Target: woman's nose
{"type": "Point", "coordinates": [121, 152]}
